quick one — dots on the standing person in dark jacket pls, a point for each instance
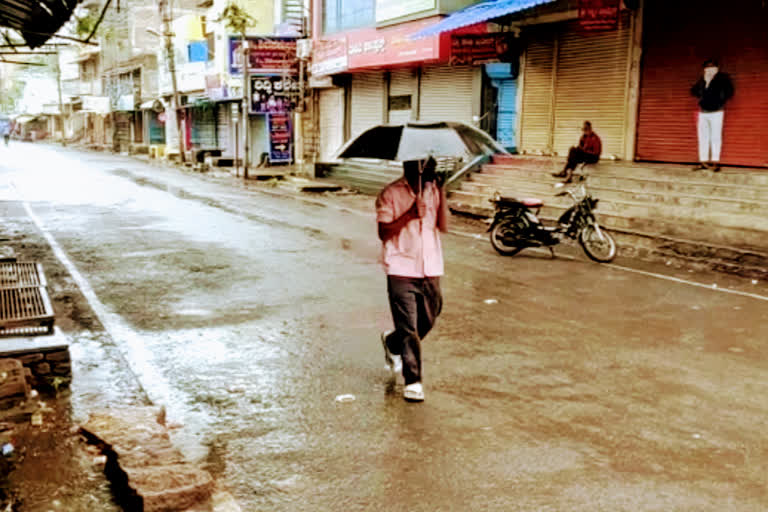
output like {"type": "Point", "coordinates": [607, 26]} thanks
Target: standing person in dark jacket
{"type": "Point", "coordinates": [588, 152]}
{"type": "Point", "coordinates": [713, 89]}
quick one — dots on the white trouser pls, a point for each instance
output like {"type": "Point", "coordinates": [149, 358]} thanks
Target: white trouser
{"type": "Point", "coordinates": [710, 135]}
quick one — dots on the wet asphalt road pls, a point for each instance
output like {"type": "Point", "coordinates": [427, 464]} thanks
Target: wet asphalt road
{"type": "Point", "coordinates": [582, 388]}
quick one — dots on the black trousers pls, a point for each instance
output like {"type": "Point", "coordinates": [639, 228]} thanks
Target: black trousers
{"type": "Point", "coordinates": [415, 304]}
{"type": "Point", "coordinates": [578, 156]}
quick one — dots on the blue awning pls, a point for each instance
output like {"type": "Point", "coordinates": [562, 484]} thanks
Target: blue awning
{"type": "Point", "coordinates": [477, 13]}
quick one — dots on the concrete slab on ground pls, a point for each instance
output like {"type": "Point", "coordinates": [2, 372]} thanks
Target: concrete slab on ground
{"type": "Point", "coordinates": [19, 345]}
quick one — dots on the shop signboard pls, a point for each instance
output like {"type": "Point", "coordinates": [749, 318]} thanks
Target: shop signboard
{"type": "Point", "coordinates": [267, 55]}
{"type": "Point", "coordinates": [329, 56]}
{"type": "Point", "coordinates": [215, 87]}
{"type": "Point", "coordinates": [476, 49]}
{"type": "Point", "coordinates": [280, 140]}
{"type": "Point", "coordinates": [273, 94]}
{"type": "Point", "coordinates": [391, 9]}
{"type": "Point", "coordinates": [599, 14]}
{"type": "Point", "coordinates": [393, 45]}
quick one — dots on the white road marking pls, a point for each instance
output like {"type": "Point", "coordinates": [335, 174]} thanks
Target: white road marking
{"type": "Point", "coordinates": [140, 360]}
{"type": "Point", "coordinates": [655, 275]}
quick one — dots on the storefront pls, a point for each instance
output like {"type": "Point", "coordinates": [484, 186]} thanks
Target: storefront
{"type": "Point", "coordinates": [571, 75]}
{"type": "Point", "coordinates": [366, 96]}
{"type": "Point", "coordinates": [679, 36]}
{"type": "Point", "coordinates": [402, 97]}
{"type": "Point", "coordinates": [449, 93]}
{"type": "Point", "coordinates": [273, 92]}
{"type": "Point", "coordinates": [202, 125]}
{"type": "Point", "coordinates": [500, 104]}
{"type": "Point", "coordinates": [330, 121]}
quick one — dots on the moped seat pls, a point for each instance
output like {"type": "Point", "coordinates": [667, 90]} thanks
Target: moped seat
{"type": "Point", "coordinates": [527, 201]}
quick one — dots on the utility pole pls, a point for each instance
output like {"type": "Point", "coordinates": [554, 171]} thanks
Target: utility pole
{"type": "Point", "coordinates": [246, 100]}
{"type": "Point", "coordinates": [167, 16]}
{"type": "Point", "coordinates": [61, 103]}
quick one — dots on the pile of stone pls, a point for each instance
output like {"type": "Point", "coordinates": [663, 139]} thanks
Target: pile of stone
{"type": "Point", "coordinates": [147, 473]}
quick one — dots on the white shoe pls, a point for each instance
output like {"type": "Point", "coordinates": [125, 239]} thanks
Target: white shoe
{"type": "Point", "coordinates": [414, 392]}
{"type": "Point", "coordinates": [394, 361]}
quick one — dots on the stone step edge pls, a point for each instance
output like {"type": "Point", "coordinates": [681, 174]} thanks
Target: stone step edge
{"type": "Point", "coordinates": [529, 179]}
{"type": "Point", "coordinates": [598, 176]}
{"type": "Point", "coordinates": [752, 202]}
{"type": "Point", "coordinates": [641, 234]}
{"type": "Point", "coordinates": [605, 201]}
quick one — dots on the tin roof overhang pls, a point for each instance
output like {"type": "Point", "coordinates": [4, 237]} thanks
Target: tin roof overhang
{"type": "Point", "coordinates": [36, 20]}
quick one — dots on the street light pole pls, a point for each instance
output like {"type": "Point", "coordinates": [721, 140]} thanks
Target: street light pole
{"type": "Point", "coordinates": [246, 100]}
{"type": "Point", "coordinates": [171, 57]}
{"type": "Point", "coordinates": [61, 103]}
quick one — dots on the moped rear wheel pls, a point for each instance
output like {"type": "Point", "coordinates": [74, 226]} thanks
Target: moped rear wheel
{"type": "Point", "coordinates": [597, 243]}
{"type": "Point", "coordinates": [506, 238]}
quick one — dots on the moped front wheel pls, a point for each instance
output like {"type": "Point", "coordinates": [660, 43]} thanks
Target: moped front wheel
{"type": "Point", "coordinates": [597, 243]}
{"type": "Point", "coordinates": [506, 238]}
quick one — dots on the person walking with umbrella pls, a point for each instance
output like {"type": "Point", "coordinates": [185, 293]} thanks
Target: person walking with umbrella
{"type": "Point", "coordinates": [411, 212]}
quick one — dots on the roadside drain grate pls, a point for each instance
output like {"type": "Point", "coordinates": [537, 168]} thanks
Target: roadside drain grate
{"type": "Point", "coordinates": [25, 311]}
{"type": "Point", "coordinates": [19, 275]}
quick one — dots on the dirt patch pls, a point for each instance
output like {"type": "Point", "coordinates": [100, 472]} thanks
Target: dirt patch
{"type": "Point", "coordinates": [49, 467]}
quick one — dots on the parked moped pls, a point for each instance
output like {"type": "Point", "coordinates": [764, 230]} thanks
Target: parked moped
{"type": "Point", "coordinates": [516, 226]}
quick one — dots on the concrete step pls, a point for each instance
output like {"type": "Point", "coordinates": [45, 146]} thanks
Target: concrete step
{"type": "Point", "coordinates": [691, 186]}
{"type": "Point", "coordinates": [733, 176]}
{"type": "Point", "coordinates": [609, 194]}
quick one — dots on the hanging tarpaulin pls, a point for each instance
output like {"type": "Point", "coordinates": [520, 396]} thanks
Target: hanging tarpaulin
{"type": "Point", "coordinates": [599, 14]}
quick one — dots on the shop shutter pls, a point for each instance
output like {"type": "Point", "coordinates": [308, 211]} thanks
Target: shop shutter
{"type": "Point", "coordinates": [591, 84]}
{"type": "Point", "coordinates": [402, 82]}
{"type": "Point", "coordinates": [203, 127]}
{"type": "Point", "coordinates": [367, 97]}
{"type": "Point", "coordinates": [506, 117]}
{"type": "Point", "coordinates": [123, 130]}
{"type": "Point", "coordinates": [224, 130]}
{"type": "Point", "coordinates": [684, 34]}
{"type": "Point", "coordinates": [537, 90]}
{"type": "Point", "coordinates": [331, 122]}
{"type": "Point", "coordinates": [446, 93]}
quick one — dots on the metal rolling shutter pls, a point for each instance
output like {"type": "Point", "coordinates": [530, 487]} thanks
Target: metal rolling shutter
{"type": "Point", "coordinates": [367, 97]}
{"type": "Point", "coordinates": [446, 93]}
{"type": "Point", "coordinates": [675, 46]}
{"type": "Point", "coordinates": [203, 127]}
{"type": "Point", "coordinates": [537, 101]}
{"type": "Point", "coordinates": [506, 118]}
{"type": "Point", "coordinates": [402, 82]}
{"type": "Point", "coordinates": [331, 122]}
{"type": "Point", "coordinates": [224, 131]}
{"type": "Point", "coordinates": [592, 80]}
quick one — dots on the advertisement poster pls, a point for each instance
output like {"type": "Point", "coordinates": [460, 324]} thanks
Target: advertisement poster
{"type": "Point", "coordinates": [599, 14]}
{"type": "Point", "coordinates": [391, 9]}
{"type": "Point", "coordinates": [279, 128]}
{"type": "Point", "coordinates": [273, 94]}
{"type": "Point", "coordinates": [474, 49]}
{"type": "Point", "coordinates": [267, 55]}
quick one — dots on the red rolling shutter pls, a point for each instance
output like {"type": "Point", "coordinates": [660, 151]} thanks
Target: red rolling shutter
{"type": "Point", "coordinates": [679, 36]}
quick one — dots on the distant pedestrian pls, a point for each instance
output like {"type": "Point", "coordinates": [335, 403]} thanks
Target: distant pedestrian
{"type": "Point", "coordinates": [6, 132]}
{"type": "Point", "coordinates": [587, 152]}
{"type": "Point", "coordinates": [410, 213]}
{"type": "Point", "coordinates": [713, 89]}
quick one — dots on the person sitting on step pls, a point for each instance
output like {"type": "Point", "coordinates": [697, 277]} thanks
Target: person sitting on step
{"type": "Point", "coordinates": [588, 152]}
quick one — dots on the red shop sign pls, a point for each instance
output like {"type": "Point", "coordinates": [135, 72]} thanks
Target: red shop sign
{"type": "Point", "coordinates": [599, 14]}
{"type": "Point", "coordinates": [372, 47]}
